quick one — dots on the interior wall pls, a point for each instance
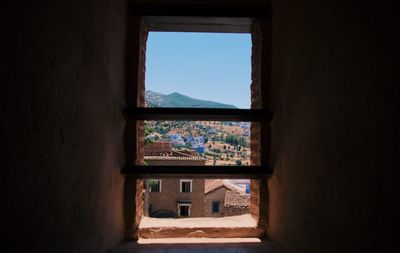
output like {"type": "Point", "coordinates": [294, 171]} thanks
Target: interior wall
{"type": "Point", "coordinates": [61, 96]}
{"type": "Point", "coordinates": [334, 133]}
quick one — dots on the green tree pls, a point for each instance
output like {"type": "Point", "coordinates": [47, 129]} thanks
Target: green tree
{"type": "Point", "coordinates": [217, 150]}
{"type": "Point", "coordinates": [147, 141]}
{"type": "Point", "coordinates": [232, 139]}
{"type": "Point", "coordinates": [242, 141]}
{"type": "Point", "coordinates": [147, 130]}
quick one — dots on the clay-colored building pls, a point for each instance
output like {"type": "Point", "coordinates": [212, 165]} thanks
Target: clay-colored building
{"type": "Point", "coordinates": [164, 148]}
{"type": "Point", "coordinates": [224, 198]}
{"type": "Point", "coordinates": [158, 148]}
{"type": "Point", "coordinates": [187, 197]}
{"type": "Point", "coordinates": [183, 197]}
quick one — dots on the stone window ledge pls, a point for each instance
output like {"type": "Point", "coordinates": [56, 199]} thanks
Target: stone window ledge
{"type": "Point", "coordinates": [229, 227]}
{"type": "Point", "coordinates": [243, 221]}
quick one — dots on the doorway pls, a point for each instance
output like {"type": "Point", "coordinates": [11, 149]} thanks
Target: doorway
{"type": "Point", "coordinates": [183, 210]}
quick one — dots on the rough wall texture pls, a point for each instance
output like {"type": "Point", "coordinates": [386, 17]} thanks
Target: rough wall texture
{"type": "Point", "coordinates": [257, 186]}
{"type": "Point", "coordinates": [61, 97]}
{"type": "Point", "coordinates": [139, 200]}
{"type": "Point", "coordinates": [334, 133]}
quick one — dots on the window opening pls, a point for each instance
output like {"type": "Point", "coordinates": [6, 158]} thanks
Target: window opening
{"type": "Point", "coordinates": [154, 185]}
{"type": "Point", "coordinates": [199, 107]}
{"type": "Point", "coordinates": [186, 185]}
{"type": "Point", "coordinates": [197, 70]}
{"type": "Point", "coordinates": [184, 210]}
{"type": "Point", "coordinates": [215, 206]}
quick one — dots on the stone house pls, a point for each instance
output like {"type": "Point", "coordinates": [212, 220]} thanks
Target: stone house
{"type": "Point", "coordinates": [175, 197]}
{"type": "Point", "coordinates": [187, 197]}
{"type": "Point", "coordinates": [224, 198]}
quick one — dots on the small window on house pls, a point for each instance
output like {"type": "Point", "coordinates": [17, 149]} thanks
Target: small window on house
{"type": "Point", "coordinates": [186, 185]}
{"type": "Point", "coordinates": [215, 206]}
{"type": "Point", "coordinates": [154, 185]}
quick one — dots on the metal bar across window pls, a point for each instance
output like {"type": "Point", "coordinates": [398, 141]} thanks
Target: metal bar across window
{"type": "Point", "coordinates": [235, 172]}
{"type": "Point", "coordinates": [195, 114]}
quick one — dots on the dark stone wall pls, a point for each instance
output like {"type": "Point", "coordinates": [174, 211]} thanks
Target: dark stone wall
{"type": "Point", "coordinates": [334, 133]}
{"type": "Point", "coordinates": [335, 130]}
{"type": "Point", "coordinates": [61, 95]}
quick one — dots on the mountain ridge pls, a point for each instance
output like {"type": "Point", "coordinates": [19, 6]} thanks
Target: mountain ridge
{"type": "Point", "coordinates": [175, 99]}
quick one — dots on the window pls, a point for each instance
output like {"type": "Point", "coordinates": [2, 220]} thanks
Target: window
{"type": "Point", "coordinates": [185, 185]}
{"type": "Point", "coordinates": [258, 113]}
{"type": "Point", "coordinates": [215, 206]}
{"type": "Point", "coordinates": [136, 112]}
{"type": "Point", "coordinates": [154, 185]}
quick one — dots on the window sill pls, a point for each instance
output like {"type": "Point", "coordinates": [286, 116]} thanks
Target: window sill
{"type": "Point", "coordinates": [245, 220]}
{"type": "Point", "coordinates": [230, 227]}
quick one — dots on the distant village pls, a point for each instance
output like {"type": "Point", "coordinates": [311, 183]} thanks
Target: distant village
{"type": "Point", "coordinates": [220, 143]}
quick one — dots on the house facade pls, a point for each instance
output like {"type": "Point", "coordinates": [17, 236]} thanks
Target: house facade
{"type": "Point", "coordinates": [175, 197]}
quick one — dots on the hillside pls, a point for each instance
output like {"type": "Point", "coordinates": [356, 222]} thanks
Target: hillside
{"type": "Point", "coordinates": [175, 99]}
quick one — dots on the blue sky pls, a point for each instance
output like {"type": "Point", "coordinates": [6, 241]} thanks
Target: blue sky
{"type": "Point", "coordinates": [210, 66]}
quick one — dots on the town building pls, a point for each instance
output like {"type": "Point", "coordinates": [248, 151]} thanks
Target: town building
{"type": "Point", "coordinates": [197, 143]}
{"type": "Point", "coordinates": [243, 183]}
{"type": "Point", "coordinates": [187, 197]}
{"type": "Point", "coordinates": [177, 140]}
{"type": "Point", "coordinates": [225, 198]}
{"type": "Point", "coordinates": [175, 197]}
{"type": "Point", "coordinates": [158, 148]}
